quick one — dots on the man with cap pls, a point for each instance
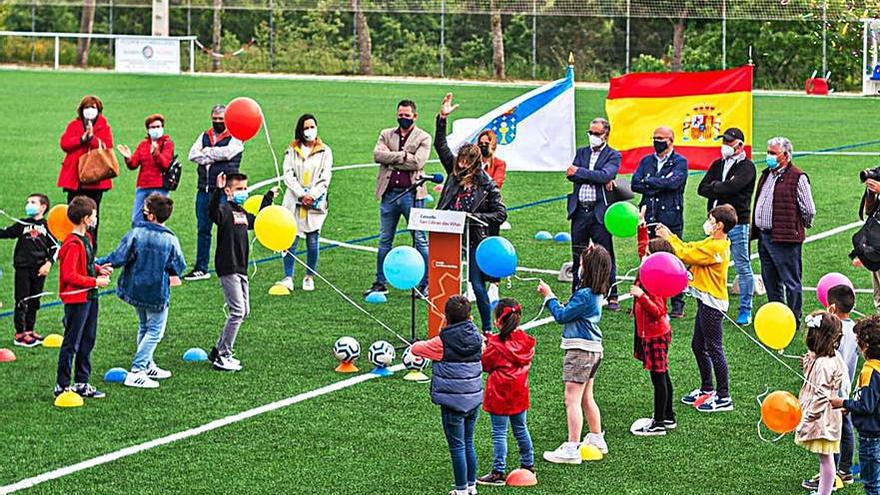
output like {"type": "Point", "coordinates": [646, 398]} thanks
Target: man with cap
{"type": "Point", "coordinates": [730, 180]}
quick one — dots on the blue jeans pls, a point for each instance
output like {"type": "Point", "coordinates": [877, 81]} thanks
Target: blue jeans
{"type": "Point", "coordinates": [459, 430]}
{"type": "Point", "coordinates": [739, 251]}
{"type": "Point", "coordinates": [139, 196]}
{"type": "Point", "coordinates": [205, 229]}
{"type": "Point", "coordinates": [869, 460]}
{"type": "Point", "coordinates": [151, 329]}
{"type": "Point", "coordinates": [476, 278]}
{"type": "Point", "coordinates": [311, 254]}
{"type": "Point", "coordinates": [389, 216]}
{"type": "Point", "coordinates": [847, 441]}
{"type": "Point", "coordinates": [781, 270]}
{"type": "Point", "coordinates": [499, 440]}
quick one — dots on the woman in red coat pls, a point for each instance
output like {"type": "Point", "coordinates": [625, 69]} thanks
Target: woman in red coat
{"type": "Point", "coordinates": [153, 155]}
{"type": "Point", "coordinates": [507, 359]}
{"type": "Point", "coordinates": [87, 131]}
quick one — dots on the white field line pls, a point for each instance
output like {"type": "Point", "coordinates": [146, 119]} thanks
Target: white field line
{"type": "Point", "coordinates": [823, 235]}
{"type": "Point", "coordinates": [274, 180]}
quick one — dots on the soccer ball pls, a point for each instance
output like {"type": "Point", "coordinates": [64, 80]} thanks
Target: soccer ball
{"type": "Point", "coordinates": [381, 353]}
{"type": "Point", "coordinates": [413, 362]}
{"type": "Point", "coordinates": [346, 349]}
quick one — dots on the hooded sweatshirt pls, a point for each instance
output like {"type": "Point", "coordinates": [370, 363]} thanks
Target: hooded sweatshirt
{"type": "Point", "coordinates": [508, 363]}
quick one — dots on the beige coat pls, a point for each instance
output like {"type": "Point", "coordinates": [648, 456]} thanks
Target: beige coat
{"type": "Point", "coordinates": [820, 420]}
{"type": "Point", "coordinates": [307, 175]}
{"type": "Point", "coordinates": [412, 159]}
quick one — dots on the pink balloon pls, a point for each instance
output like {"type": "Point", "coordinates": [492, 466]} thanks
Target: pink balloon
{"type": "Point", "coordinates": [827, 282]}
{"type": "Point", "coordinates": [663, 274]}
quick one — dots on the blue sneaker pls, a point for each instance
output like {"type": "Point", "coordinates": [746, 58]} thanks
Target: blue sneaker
{"type": "Point", "coordinates": [695, 396]}
{"type": "Point", "coordinates": [716, 404]}
{"type": "Point", "coordinates": [744, 318]}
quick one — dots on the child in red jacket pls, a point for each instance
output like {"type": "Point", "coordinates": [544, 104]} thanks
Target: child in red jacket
{"type": "Point", "coordinates": [507, 359]}
{"type": "Point", "coordinates": [78, 280]}
{"type": "Point", "coordinates": [653, 335]}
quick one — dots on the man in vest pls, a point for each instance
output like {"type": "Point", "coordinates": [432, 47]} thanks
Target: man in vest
{"type": "Point", "coordinates": [784, 208]}
{"type": "Point", "coordinates": [215, 152]}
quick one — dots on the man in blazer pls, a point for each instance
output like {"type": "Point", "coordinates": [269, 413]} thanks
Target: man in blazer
{"type": "Point", "coordinates": [594, 167]}
{"type": "Point", "coordinates": [401, 153]}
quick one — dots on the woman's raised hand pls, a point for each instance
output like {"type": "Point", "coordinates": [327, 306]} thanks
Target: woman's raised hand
{"type": "Point", "coordinates": [446, 106]}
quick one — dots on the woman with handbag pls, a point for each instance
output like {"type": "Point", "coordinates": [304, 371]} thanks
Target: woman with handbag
{"type": "Point", "coordinates": [88, 146]}
{"type": "Point", "coordinates": [154, 156]}
{"type": "Point", "coordinates": [308, 164]}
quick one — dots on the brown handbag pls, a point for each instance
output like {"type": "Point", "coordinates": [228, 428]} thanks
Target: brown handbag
{"type": "Point", "coordinates": [98, 164]}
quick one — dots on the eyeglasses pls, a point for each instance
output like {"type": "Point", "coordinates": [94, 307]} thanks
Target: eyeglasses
{"type": "Point", "coordinates": [594, 133]}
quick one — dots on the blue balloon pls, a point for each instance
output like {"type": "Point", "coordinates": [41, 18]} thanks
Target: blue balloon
{"type": "Point", "coordinates": [562, 237]}
{"type": "Point", "coordinates": [115, 375]}
{"type": "Point", "coordinates": [404, 267]}
{"type": "Point", "coordinates": [429, 199]}
{"type": "Point", "coordinates": [543, 236]}
{"type": "Point", "coordinates": [496, 257]}
{"type": "Point", "coordinates": [375, 298]}
{"type": "Point", "coordinates": [195, 355]}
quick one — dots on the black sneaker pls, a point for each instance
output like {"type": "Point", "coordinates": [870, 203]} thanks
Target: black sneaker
{"type": "Point", "coordinates": [87, 391]}
{"type": "Point", "coordinates": [670, 424]}
{"type": "Point", "coordinates": [527, 468]}
{"type": "Point", "coordinates": [60, 390]}
{"type": "Point", "coordinates": [25, 339]}
{"type": "Point", "coordinates": [196, 275]}
{"type": "Point", "coordinates": [213, 355]}
{"type": "Point", "coordinates": [492, 479]}
{"type": "Point", "coordinates": [651, 429]}
{"type": "Point", "coordinates": [846, 478]}
{"type": "Point", "coordinates": [378, 288]}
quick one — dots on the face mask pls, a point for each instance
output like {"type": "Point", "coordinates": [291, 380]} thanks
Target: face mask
{"type": "Point", "coordinates": [596, 141]}
{"type": "Point", "coordinates": [310, 134]}
{"type": "Point", "coordinates": [219, 127]}
{"type": "Point", "coordinates": [155, 133]}
{"type": "Point", "coordinates": [240, 197]}
{"type": "Point", "coordinates": [660, 146]}
{"type": "Point", "coordinates": [90, 113]}
{"type": "Point", "coordinates": [404, 123]}
{"type": "Point", "coordinates": [484, 150]}
{"type": "Point", "coordinates": [31, 210]}
{"type": "Point", "coordinates": [727, 151]}
{"type": "Point", "coordinates": [708, 227]}
{"type": "Point", "coordinates": [772, 162]}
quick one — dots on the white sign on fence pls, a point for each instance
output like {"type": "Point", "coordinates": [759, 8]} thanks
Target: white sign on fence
{"type": "Point", "coordinates": [148, 55]}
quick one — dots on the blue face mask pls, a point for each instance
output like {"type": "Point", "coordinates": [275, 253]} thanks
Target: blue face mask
{"type": "Point", "coordinates": [772, 162]}
{"type": "Point", "coordinates": [240, 197]}
{"type": "Point", "coordinates": [31, 210]}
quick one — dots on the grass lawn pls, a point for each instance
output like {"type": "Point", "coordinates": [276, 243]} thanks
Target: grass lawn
{"type": "Point", "coordinates": [382, 436]}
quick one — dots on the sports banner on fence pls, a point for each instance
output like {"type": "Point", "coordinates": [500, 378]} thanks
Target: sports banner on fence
{"type": "Point", "coordinates": [698, 106]}
{"type": "Point", "coordinates": [147, 55]}
{"type": "Point", "coordinates": [535, 131]}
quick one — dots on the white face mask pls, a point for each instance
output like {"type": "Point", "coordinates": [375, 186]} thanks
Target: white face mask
{"type": "Point", "coordinates": [155, 133]}
{"type": "Point", "coordinates": [727, 151]}
{"type": "Point", "coordinates": [310, 134]}
{"type": "Point", "coordinates": [708, 227]}
{"type": "Point", "coordinates": [90, 113]}
{"type": "Point", "coordinates": [596, 141]}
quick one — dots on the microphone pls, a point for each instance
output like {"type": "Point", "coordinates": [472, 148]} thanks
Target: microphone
{"type": "Point", "coordinates": [436, 178]}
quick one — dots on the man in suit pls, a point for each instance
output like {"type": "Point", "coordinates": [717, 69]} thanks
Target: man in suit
{"type": "Point", "coordinates": [595, 167]}
{"type": "Point", "coordinates": [401, 153]}
{"type": "Point", "coordinates": [730, 180]}
{"type": "Point", "coordinates": [661, 178]}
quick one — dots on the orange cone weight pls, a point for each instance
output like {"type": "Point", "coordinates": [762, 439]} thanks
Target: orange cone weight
{"type": "Point", "coordinates": [6, 356]}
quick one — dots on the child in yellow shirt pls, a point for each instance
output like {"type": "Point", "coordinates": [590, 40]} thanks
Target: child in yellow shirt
{"type": "Point", "coordinates": [708, 261]}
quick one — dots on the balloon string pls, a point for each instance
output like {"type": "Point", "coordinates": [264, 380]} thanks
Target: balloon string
{"type": "Point", "coordinates": [41, 294]}
{"type": "Point", "coordinates": [16, 220]}
{"type": "Point", "coordinates": [350, 300]}
{"type": "Point", "coordinates": [620, 280]}
{"type": "Point", "coordinates": [254, 261]}
{"type": "Point", "coordinates": [760, 401]}
{"type": "Point", "coordinates": [272, 150]}
{"type": "Point", "coordinates": [426, 299]}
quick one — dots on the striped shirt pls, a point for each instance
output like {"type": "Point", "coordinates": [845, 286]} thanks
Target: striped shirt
{"type": "Point", "coordinates": [764, 204]}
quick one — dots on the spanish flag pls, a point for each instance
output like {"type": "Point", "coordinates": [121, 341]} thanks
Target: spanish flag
{"type": "Point", "coordinates": [698, 106]}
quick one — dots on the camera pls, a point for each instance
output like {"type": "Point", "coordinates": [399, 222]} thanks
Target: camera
{"type": "Point", "coordinates": [870, 173]}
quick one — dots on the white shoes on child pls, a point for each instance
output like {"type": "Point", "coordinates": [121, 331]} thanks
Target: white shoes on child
{"type": "Point", "coordinates": [287, 282]}
{"type": "Point", "coordinates": [227, 363]}
{"type": "Point", "coordinates": [596, 440]}
{"type": "Point", "coordinates": [146, 379]}
{"type": "Point", "coordinates": [570, 452]}
{"type": "Point", "coordinates": [308, 284]}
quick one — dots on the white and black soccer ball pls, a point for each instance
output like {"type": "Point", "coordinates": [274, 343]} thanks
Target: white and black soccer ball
{"type": "Point", "coordinates": [381, 353]}
{"type": "Point", "coordinates": [346, 349]}
{"type": "Point", "coordinates": [413, 362]}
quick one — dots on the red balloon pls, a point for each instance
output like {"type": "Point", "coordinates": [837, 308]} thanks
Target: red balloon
{"type": "Point", "coordinates": [664, 275]}
{"type": "Point", "coordinates": [243, 118]}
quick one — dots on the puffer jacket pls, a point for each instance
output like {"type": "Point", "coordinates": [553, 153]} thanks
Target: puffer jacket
{"type": "Point", "coordinates": [508, 363]}
{"type": "Point", "coordinates": [457, 381]}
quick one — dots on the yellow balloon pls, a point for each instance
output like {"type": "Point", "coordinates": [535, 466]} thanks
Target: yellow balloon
{"type": "Point", "coordinates": [775, 325]}
{"type": "Point", "coordinates": [275, 228]}
{"type": "Point", "coordinates": [252, 204]}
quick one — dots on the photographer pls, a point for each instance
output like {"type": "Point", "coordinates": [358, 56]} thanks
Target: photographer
{"type": "Point", "coordinates": [866, 238]}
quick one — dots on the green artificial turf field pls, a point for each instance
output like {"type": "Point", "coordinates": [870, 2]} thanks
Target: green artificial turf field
{"type": "Point", "coordinates": [384, 435]}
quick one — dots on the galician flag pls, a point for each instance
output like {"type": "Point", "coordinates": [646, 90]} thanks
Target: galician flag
{"type": "Point", "coordinates": [698, 106]}
{"type": "Point", "coordinates": [535, 131]}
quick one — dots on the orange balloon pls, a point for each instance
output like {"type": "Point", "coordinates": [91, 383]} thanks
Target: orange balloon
{"type": "Point", "coordinates": [243, 118]}
{"type": "Point", "coordinates": [781, 412]}
{"type": "Point", "coordinates": [59, 225]}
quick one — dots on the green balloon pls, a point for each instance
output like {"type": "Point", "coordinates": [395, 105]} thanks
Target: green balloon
{"type": "Point", "coordinates": [622, 219]}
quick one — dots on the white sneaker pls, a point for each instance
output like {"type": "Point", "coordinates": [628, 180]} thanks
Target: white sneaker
{"type": "Point", "coordinates": [225, 363]}
{"type": "Point", "coordinates": [597, 440]}
{"type": "Point", "coordinates": [567, 453]}
{"type": "Point", "coordinates": [157, 373]}
{"type": "Point", "coordinates": [139, 380]}
{"type": "Point", "coordinates": [308, 284]}
{"type": "Point", "coordinates": [234, 360]}
{"type": "Point", "coordinates": [505, 226]}
{"type": "Point", "coordinates": [286, 282]}
{"type": "Point", "coordinates": [493, 292]}
{"type": "Point", "coordinates": [470, 293]}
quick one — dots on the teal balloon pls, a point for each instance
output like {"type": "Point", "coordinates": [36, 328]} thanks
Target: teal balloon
{"type": "Point", "coordinates": [496, 257]}
{"type": "Point", "coordinates": [622, 219]}
{"type": "Point", "coordinates": [404, 267]}
{"type": "Point", "coordinates": [429, 199]}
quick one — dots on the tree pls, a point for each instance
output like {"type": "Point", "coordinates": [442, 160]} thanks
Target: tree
{"type": "Point", "coordinates": [86, 24]}
{"type": "Point", "coordinates": [678, 28]}
{"type": "Point", "coordinates": [497, 41]}
{"type": "Point", "coordinates": [365, 44]}
{"type": "Point", "coordinates": [217, 35]}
